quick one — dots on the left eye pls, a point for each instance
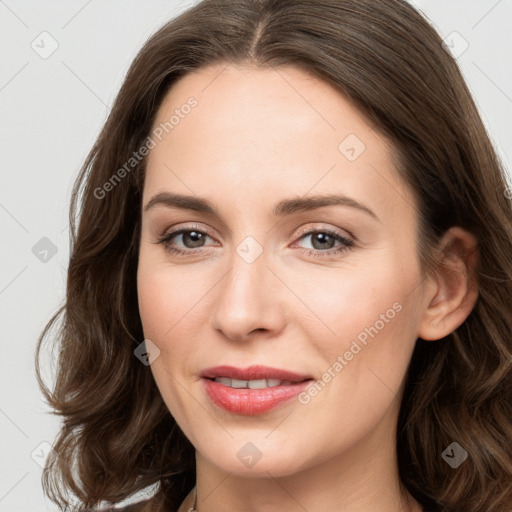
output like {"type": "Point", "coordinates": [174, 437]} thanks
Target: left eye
{"type": "Point", "coordinates": [323, 243]}
{"type": "Point", "coordinates": [323, 240]}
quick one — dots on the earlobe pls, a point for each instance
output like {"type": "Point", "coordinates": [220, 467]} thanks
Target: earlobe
{"type": "Point", "coordinates": [454, 288]}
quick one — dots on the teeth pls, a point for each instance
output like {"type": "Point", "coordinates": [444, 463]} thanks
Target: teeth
{"type": "Point", "coordinates": [251, 384]}
{"type": "Point", "coordinates": [223, 380]}
{"type": "Point", "coordinates": [235, 383]}
{"type": "Point", "coordinates": [257, 384]}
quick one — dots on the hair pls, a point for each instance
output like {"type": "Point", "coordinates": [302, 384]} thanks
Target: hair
{"type": "Point", "coordinates": [117, 436]}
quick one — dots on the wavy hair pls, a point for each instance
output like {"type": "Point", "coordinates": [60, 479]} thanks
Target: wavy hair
{"type": "Point", "coordinates": [117, 436]}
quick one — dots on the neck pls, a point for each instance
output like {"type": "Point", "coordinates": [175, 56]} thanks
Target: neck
{"type": "Point", "coordinates": [365, 477]}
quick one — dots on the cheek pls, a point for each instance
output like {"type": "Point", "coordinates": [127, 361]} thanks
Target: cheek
{"type": "Point", "coordinates": [167, 295]}
{"type": "Point", "coordinates": [166, 308]}
{"type": "Point", "coordinates": [367, 324]}
{"type": "Point", "coordinates": [153, 297]}
{"type": "Point", "coordinates": [347, 301]}
{"type": "Point", "coordinates": [173, 304]}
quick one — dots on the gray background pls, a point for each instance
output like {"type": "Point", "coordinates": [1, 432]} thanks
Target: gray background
{"type": "Point", "coordinates": [52, 109]}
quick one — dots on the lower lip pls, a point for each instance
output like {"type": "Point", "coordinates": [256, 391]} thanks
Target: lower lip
{"type": "Point", "coordinates": [251, 402]}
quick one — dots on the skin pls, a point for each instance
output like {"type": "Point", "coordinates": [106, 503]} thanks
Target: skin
{"type": "Point", "coordinates": [258, 136]}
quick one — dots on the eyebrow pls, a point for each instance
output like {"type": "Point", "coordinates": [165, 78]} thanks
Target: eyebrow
{"type": "Point", "coordinates": [284, 207]}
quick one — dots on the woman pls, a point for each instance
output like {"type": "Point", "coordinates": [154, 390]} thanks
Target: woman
{"type": "Point", "coordinates": [291, 274]}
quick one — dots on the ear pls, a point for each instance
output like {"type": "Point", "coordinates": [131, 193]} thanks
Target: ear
{"type": "Point", "coordinates": [453, 289]}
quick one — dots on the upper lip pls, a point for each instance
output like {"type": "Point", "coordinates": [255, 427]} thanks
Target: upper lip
{"type": "Point", "coordinates": [253, 373]}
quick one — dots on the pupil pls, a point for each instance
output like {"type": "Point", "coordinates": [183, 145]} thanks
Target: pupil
{"type": "Point", "coordinates": [322, 238]}
{"type": "Point", "coordinates": [194, 235]}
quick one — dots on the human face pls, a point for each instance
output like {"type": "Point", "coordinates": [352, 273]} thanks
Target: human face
{"type": "Point", "coordinates": [258, 288]}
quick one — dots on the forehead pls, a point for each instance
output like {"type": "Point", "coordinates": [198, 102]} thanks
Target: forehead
{"type": "Point", "coordinates": [272, 132]}
{"type": "Point", "coordinates": [277, 101]}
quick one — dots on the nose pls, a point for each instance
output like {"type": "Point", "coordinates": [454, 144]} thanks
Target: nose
{"type": "Point", "coordinates": [248, 300]}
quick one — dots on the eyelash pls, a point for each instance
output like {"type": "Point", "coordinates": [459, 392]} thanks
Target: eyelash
{"type": "Point", "coordinates": [347, 244]}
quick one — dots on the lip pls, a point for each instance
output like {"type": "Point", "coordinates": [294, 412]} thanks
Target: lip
{"type": "Point", "coordinates": [253, 373]}
{"type": "Point", "coordinates": [251, 402]}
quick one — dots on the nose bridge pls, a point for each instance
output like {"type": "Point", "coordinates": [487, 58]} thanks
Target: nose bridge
{"type": "Point", "coordinates": [244, 299]}
{"type": "Point", "coordinates": [247, 282]}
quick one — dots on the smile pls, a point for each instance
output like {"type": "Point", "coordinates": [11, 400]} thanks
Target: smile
{"type": "Point", "coordinates": [251, 384]}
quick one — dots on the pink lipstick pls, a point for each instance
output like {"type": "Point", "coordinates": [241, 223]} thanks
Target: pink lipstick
{"type": "Point", "coordinates": [253, 390]}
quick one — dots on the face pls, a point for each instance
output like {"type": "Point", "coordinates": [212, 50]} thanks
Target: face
{"type": "Point", "coordinates": [272, 274]}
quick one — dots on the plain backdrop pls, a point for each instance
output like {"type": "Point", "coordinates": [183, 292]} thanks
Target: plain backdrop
{"type": "Point", "coordinates": [61, 66]}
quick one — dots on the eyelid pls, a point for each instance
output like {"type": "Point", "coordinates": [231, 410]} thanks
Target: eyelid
{"type": "Point", "coordinates": [302, 231]}
{"type": "Point", "coordinates": [334, 230]}
{"type": "Point", "coordinates": [188, 227]}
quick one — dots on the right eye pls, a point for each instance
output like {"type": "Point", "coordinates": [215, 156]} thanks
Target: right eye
{"type": "Point", "coordinates": [191, 239]}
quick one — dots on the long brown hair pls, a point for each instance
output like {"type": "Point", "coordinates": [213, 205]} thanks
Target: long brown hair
{"type": "Point", "coordinates": [117, 435]}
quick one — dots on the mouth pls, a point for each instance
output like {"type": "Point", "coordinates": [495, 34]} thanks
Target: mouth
{"type": "Point", "coordinates": [253, 374]}
{"type": "Point", "coordinates": [252, 384]}
{"type": "Point", "coordinates": [252, 390]}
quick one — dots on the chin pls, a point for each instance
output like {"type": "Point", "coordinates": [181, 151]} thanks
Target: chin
{"type": "Point", "coordinates": [257, 458]}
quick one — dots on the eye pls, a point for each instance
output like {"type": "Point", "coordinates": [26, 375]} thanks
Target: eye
{"type": "Point", "coordinates": [191, 237]}
{"type": "Point", "coordinates": [323, 243]}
